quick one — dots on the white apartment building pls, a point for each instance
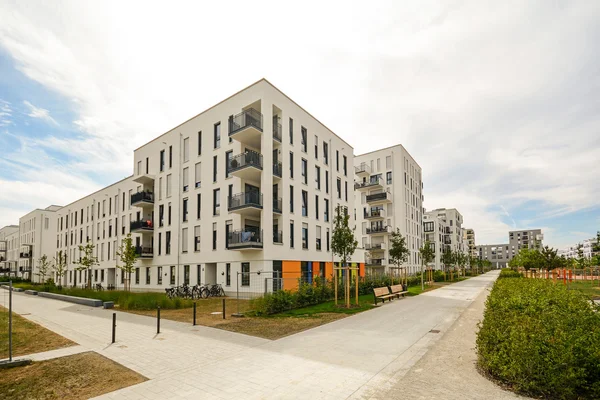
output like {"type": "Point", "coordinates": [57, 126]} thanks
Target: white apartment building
{"type": "Point", "coordinates": [469, 242]}
{"type": "Point", "coordinates": [249, 185]}
{"type": "Point", "coordinates": [9, 239]}
{"type": "Point", "coordinates": [388, 196]}
{"type": "Point", "coordinates": [449, 222]}
{"type": "Point", "coordinates": [587, 247]}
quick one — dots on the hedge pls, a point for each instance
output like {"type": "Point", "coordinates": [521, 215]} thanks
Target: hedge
{"type": "Point", "coordinates": [509, 273]}
{"type": "Point", "coordinates": [541, 339]}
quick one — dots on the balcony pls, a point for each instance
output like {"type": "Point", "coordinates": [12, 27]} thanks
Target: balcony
{"type": "Point", "coordinates": [278, 237]}
{"type": "Point", "coordinates": [277, 170]}
{"type": "Point", "coordinates": [246, 203]}
{"type": "Point", "coordinates": [379, 198]}
{"type": "Point", "coordinates": [143, 199]}
{"type": "Point", "coordinates": [362, 170]}
{"type": "Point", "coordinates": [375, 182]}
{"type": "Point", "coordinates": [247, 165]}
{"type": "Point", "coordinates": [247, 239]}
{"type": "Point", "coordinates": [277, 131]}
{"type": "Point", "coordinates": [146, 226]}
{"type": "Point", "coordinates": [379, 230]}
{"type": "Point", "coordinates": [374, 214]}
{"type": "Point", "coordinates": [247, 127]}
{"type": "Point", "coordinates": [144, 252]}
{"type": "Point", "coordinates": [25, 254]}
{"type": "Point", "coordinates": [145, 179]}
{"type": "Point", "coordinates": [375, 262]}
{"type": "Point", "coordinates": [375, 247]}
{"type": "Point", "coordinates": [277, 208]}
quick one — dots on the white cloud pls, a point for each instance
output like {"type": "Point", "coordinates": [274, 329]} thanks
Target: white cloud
{"type": "Point", "coordinates": [40, 113]}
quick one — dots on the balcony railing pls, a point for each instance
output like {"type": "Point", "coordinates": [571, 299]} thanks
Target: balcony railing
{"type": "Point", "coordinates": [250, 158]}
{"type": "Point", "coordinates": [146, 197]}
{"type": "Point", "coordinates": [363, 168]}
{"type": "Point", "coordinates": [376, 246]}
{"type": "Point", "coordinates": [25, 254]}
{"type": "Point", "coordinates": [374, 213]}
{"type": "Point", "coordinates": [277, 131]}
{"type": "Point", "coordinates": [142, 225]}
{"type": "Point", "coordinates": [379, 197]}
{"type": "Point", "coordinates": [375, 262]}
{"type": "Point", "coordinates": [277, 208]}
{"type": "Point", "coordinates": [378, 229]}
{"type": "Point", "coordinates": [245, 199]}
{"type": "Point", "coordinates": [245, 238]}
{"type": "Point", "coordinates": [144, 251]}
{"type": "Point", "coordinates": [373, 181]}
{"type": "Point", "coordinates": [245, 119]}
{"type": "Point", "coordinates": [278, 237]}
{"type": "Point", "coordinates": [277, 169]}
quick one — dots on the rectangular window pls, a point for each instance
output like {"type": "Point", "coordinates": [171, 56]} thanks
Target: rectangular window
{"type": "Point", "coordinates": [162, 160]}
{"type": "Point", "coordinates": [305, 236]}
{"type": "Point", "coordinates": [318, 238]}
{"type": "Point", "coordinates": [346, 190]}
{"type": "Point", "coordinates": [345, 161]}
{"type": "Point", "coordinates": [339, 188]}
{"type": "Point", "coordinates": [228, 274]}
{"type": "Point", "coordinates": [316, 147]}
{"type": "Point", "coordinates": [186, 179]}
{"type": "Point", "coordinates": [170, 156]}
{"type": "Point", "coordinates": [137, 276]}
{"type": "Point", "coordinates": [159, 243]}
{"type": "Point", "coordinates": [169, 183]}
{"type": "Point", "coordinates": [172, 275]}
{"type": "Point", "coordinates": [304, 139]}
{"type": "Point", "coordinates": [228, 156]}
{"type": "Point", "coordinates": [198, 205]}
{"type": "Point", "coordinates": [291, 165]}
{"type": "Point", "coordinates": [388, 178]}
{"type": "Point", "coordinates": [184, 240]}
{"type": "Point", "coordinates": [186, 149]}
{"type": "Point", "coordinates": [186, 274]}
{"type": "Point", "coordinates": [169, 214]}
{"type": "Point", "coordinates": [159, 275]}
{"type": "Point", "coordinates": [291, 131]}
{"type": "Point", "coordinates": [304, 171]}
{"type": "Point", "coordinates": [217, 135]}
{"type": "Point", "coordinates": [198, 174]}
{"type": "Point", "coordinates": [326, 215]}
{"type": "Point", "coordinates": [291, 199]}
{"type": "Point", "coordinates": [337, 161]}
{"type": "Point", "coordinates": [214, 168]}
{"type": "Point", "coordinates": [197, 238]}
{"type": "Point", "coordinates": [147, 275]}
{"type": "Point", "coordinates": [185, 210]}
{"type": "Point", "coordinates": [214, 238]}
{"type": "Point", "coordinates": [245, 274]}
{"type": "Point", "coordinates": [199, 142]}
{"type": "Point", "coordinates": [198, 270]}
{"type": "Point", "coordinates": [304, 203]}
{"type": "Point", "coordinates": [217, 202]}
{"type": "Point", "coordinates": [292, 234]}
{"type": "Point", "coordinates": [326, 181]}
{"type": "Point", "coordinates": [317, 206]}
{"type": "Point", "coordinates": [168, 242]}
{"type": "Point", "coordinates": [325, 153]}
{"type": "Point", "coordinates": [318, 177]}
{"type": "Point", "coordinates": [327, 239]}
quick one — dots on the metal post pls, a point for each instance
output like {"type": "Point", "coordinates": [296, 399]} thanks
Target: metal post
{"type": "Point", "coordinates": [194, 313]}
{"type": "Point", "coordinates": [223, 308]}
{"type": "Point", "coordinates": [158, 320]}
{"type": "Point", "coordinates": [237, 289]}
{"type": "Point", "coordinates": [114, 327]}
{"type": "Point", "coordinates": [10, 289]}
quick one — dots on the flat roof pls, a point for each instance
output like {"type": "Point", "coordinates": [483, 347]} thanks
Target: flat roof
{"type": "Point", "coordinates": [388, 148]}
{"type": "Point", "coordinates": [99, 190]}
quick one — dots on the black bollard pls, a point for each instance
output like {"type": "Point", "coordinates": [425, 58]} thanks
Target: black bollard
{"type": "Point", "coordinates": [114, 327]}
{"type": "Point", "coordinates": [158, 320]}
{"type": "Point", "coordinates": [194, 313]}
{"type": "Point", "coordinates": [223, 308]}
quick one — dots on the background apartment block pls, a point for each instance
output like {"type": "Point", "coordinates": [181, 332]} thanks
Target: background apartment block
{"type": "Point", "coordinates": [498, 254]}
{"type": "Point", "coordinates": [389, 196]}
{"type": "Point", "coordinates": [587, 248]}
{"type": "Point", "coordinates": [469, 242]}
{"type": "Point", "coordinates": [9, 248]}
{"type": "Point", "coordinates": [450, 222]}
{"type": "Point", "coordinates": [501, 254]}
{"type": "Point", "coordinates": [35, 240]}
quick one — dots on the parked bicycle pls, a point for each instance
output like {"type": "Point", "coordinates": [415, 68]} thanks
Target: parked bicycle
{"type": "Point", "coordinates": [195, 292]}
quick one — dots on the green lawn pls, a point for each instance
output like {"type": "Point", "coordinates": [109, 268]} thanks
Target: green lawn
{"type": "Point", "coordinates": [589, 288]}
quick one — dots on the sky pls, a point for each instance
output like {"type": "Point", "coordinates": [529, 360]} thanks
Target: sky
{"type": "Point", "coordinates": [499, 102]}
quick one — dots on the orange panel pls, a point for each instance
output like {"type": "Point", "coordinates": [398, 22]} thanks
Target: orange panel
{"type": "Point", "coordinates": [362, 269]}
{"type": "Point", "coordinates": [291, 271]}
{"type": "Point", "coordinates": [329, 270]}
{"type": "Point", "coordinates": [315, 269]}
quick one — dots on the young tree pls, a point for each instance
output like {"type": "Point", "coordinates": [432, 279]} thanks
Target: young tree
{"type": "Point", "coordinates": [427, 255]}
{"type": "Point", "coordinates": [60, 266]}
{"type": "Point", "coordinates": [581, 261]}
{"type": "Point", "coordinates": [551, 260]}
{"type": "Point", "coordinates": [127, 256]}
{"type": "Point", "coordinates": [447, 259]}
{"type": "Point", "coordinates": [343, 244]}
{"type": "Point", "coordinates": [43, 268]}
{"type": "Point", "coordinates": [87, 261]}
{"type": "Point", "coordinates": [398, 252]}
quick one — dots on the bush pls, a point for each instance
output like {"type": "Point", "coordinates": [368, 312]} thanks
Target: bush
{"type": "Point", "coordinates": [541, 339]}
{"type": "Point", "coordinates": [509, 273]}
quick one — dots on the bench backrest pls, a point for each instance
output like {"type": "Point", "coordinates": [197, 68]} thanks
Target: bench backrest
{"type": "Point", "coordinates": [381, 291]}
{"type": "Point", "coordinates": [397, 288]}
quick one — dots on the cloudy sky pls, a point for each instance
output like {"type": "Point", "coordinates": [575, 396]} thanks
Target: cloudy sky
{"type": "Point", "coordinates": [499, 102]}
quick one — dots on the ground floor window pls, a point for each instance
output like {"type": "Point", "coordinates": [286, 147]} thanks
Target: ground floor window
{"type": "Point", "coordinates": [245, 274]}
{"type": "Point", "coordinates": [137, 276]}
{"type": "Point", "coordinates": [172, 280]}
{"type": "Point", "coordinates": [228, 274]}
{"type": "Point", "coordinates": [159, 275]}
{"type": "Point", "coordinates": [147, 275]}
{"type": "Point", "coordinates": [198, 274]}
{"type": "Point", "coordinates": [186, 274]}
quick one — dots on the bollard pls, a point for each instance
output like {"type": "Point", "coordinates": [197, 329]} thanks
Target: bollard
{"type": "Point", "coordinates": [114, 327]}
{"type": "Point", "coordinates": [158, 320]}
{"type": "Point", "coordinates": [223, 308]}
{"type": "Point", "coordinates": [194, 313]}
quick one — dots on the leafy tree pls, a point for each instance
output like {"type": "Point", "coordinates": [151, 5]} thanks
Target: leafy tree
{"type": "Point", "coordinates": [60, 266]}
{"type": "Point", "coordinates": [551, 259]}
{"type": "Point", "coordinates": [343, 242]}
{"type": "Point", "coordinates": [427, 255]}
{"type": "Point", "coordinates": [581, 261]}
{"type": "Point", "coordinates": [87, 261]}
{"type": "Point", "coordinates": [43, 268]}
{"type": "Point", "coordinates": [447, 258]}
{"type": "Point", "coordinates": [127, 256]}
{"type": "Point", "coordinates": [398, 252]}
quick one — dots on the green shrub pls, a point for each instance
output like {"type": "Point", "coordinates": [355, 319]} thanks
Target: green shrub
{"type": "Point", "coordinates": [541, 339]}
{"type": "Point", "coordinates": [509, 273]}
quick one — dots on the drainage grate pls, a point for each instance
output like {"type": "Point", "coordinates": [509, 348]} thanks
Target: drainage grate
{"type": "Point", "coordinates": [434, 331]}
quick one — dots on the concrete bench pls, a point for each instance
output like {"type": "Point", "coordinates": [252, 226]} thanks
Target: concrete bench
{"type": "Point", "coordinates": [17, 289]}
{"type": "Point", "coordinates": [109, 304]}
{"type": "Point", "coordinates": [398, 290]}
{"type": "Point", "coordinates": [31, 292]}
{"type": "Point", "coordinates": [382, 293]}
{"type": "Point", "coordinates": [72, 299]}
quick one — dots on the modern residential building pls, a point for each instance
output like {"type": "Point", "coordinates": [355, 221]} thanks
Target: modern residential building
{"type": "Point", "coordinates": [469, 241]}
{"type": "Point", "coordinates": [498, 254]}
{"type": "Point", "coordinates": [9, 239]}
{"type": "Point", "coordinates": [587, 249]}
{"type": "Point", "coordinates": [434, 231]}
{"type": "Point", "coordinates": [501, 254]}
{"type": "Point", "coordinates": [388, 196]}
{"type": "Point", "coordinates": [35, 240]}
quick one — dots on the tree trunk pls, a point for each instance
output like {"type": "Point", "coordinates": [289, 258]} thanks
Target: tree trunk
{"type": "Point", "coordinates": [422, 283]}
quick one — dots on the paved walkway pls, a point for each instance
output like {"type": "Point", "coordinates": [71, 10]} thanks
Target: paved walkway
{"type": "Point", "coordinates": [354, 357]}
{"type": "Point", "coordinates": [49, 355]}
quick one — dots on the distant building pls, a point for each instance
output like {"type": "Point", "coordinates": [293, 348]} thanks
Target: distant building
{"type": "Point", "coordinates": [443, 229]}
{"type": "Point", "coordinates": [501, 254]}
{"type": "Point", "coordinates": [469, 241]}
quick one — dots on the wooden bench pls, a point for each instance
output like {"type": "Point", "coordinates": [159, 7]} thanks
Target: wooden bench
{"type": "Point", "coordinates": [398, 290]}
{"type": "Point", "coordinates": [382, 293]}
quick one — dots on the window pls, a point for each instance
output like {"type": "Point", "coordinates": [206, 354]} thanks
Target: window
{"type": "Point", "coordinates": [185, 210]}
{"type": "Point", "coordinates": [199, 142]}
{"type": "Point", "coordinates": [245, 274]}
{"type": "Point", "coordinates": [388, 178]}
{"type": "Point", "coordinates": [291, 199]}
{"type": "Point", "coordinates": [169, 183]}
{"type": "Point", "coordinates": [304, 203]}
{"type": "Point", "coordinates": [147, 275]}
{"type": "Point", "coordinates": [291, 165]}
{"type": "Point", "coordinates": [227, 274]}
{"type": "Point", "coordinates": [339, 188]}
{"type": "Point", "coordinates": [198, 205]}
{"type": "Point", "coordinates": [325, 153]}
{"type": "Point", "coordinates": [186, 179]}
{"type": "Point", "coordinates": [305, 236]}
{"type": "Point", "coordinates": [292, 234]}
{"type": "Point", "coordinates": [159, 275]}
{"type": "Point", "coordinates": [346, 190]}
{"type": "Point", "coordinates": [159, 243]}
{"type": "Point", "coordinates": [198, 174]}
{"type": "Point", "coordinates": [327, 238]}
{"type": "Point", "coordinates": [388, 162]}
{"type": "Point", "coordinates": [137, 276]}
{"type": "Point", "coordinates": [186, 274]}
{"type": "Point", "coordinates": [337, 160]}
{"type": "Point", "coordinates": [184, 241]}
{"type": "Point", "coordinates": [317, 206]}
{"type": "Point", "coordinates": [172, 275]}
{"type": "Point", "coordinates": [162, 160]}
{"type": "Point", "coordinates": [214, 237]}
{"type": "Point", "coordinates": [304, 140]}
{"type": "Point", "coordinates": [169, 214]}
{"type": "Point", "coordinates": [214, 168]}
{"type": "Point", "coordinates": [217, 135]}
{"type": "Point", "coordinates": [170, 156]}
{"type": "Point", "coordinates": [291, 131]}
{"type": "Point", "coordinates": [304, 171]}
{"type": "Point", "coordinates": [186, 149]}
{"type": "Point", "coordinates": [345, 166]}
{"type": "Point", "coordinates": [318, 237]}
{"type": "Point", "coordinates": [217, 202]}
{"type": "Point", "coordinates": [228, 156]}
{"type": "Point", "coordinates": [326, 181]}
{"type": "Point", "coordinates": [197, 238]}
{"type": "Point", "coordinates": [198, 269]}
{"type": "Point", "coordinates": [316, 147]}
{"type": "Point", "coordinates": [168, 242]}
{"type": "Point", "coordinates": [318, 177]}
{"type": "Point", "coordinates": [326, 215]}
{"type": "Point", "coordinates": [428, 226]}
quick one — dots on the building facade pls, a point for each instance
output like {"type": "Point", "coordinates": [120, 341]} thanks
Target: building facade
{"type": "Point", "coordinates": [498, 254]}
{"type": "Point", "coordinates": [9, 239]}
{"type": "Point", "coordinates": [435, 232]}
{"type": "Point", "coordinates": [469, 242]}
{"type": "Point", "coordinates": [501, 254]}
{"type": "Point", "coordinates": [35, 240]}
{"type": "Point", "coordinates": [388, 196]}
